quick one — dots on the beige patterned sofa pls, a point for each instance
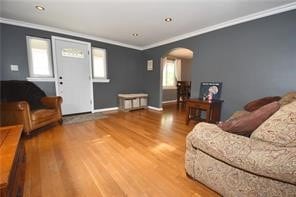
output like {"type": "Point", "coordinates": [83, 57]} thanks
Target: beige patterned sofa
{"type": "Point", "coordinates": [234, 165]}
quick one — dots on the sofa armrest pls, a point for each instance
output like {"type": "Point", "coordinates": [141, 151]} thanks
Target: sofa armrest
{"type": "Point", "coordinates": [53, 102]}
{"type": "Point", "coordinates": [16, 113]}
{"type": "Point", "coordinates": [255, 156]}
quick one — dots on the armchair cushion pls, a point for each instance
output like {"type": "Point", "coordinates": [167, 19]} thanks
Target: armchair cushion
{"type": "Point", "coordinates": [42, 114]}
{"type": "Point", "coordinates": [254, 156]}
{"type": "Point", "coordinates": [280, 128]}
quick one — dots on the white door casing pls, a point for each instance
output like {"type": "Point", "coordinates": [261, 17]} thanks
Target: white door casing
{"type": "Point", "coordinates": [72, 68]}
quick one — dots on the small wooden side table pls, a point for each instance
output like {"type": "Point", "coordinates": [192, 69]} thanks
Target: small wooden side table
{"type": "Point", "coordinates": [212, 109]}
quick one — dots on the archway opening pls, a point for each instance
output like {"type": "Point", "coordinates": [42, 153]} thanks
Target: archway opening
{"type": "Point", "coordinates": [176, 69]}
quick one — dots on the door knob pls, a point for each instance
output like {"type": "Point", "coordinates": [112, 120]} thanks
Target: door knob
{"type": "Point", "coordinates": [61, 83]}
{"type": "Point", "coordinates": [61, 77]}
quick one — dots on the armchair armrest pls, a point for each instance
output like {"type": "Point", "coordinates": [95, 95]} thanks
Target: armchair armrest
{"type": "Point", "coordinates": [255, 156]}
{"type": "Point", "coordinates": [18, 106]}
{"type": "Point", "coordinates": [52, 101]}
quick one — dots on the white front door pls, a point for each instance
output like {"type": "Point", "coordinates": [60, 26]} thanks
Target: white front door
{"type": "Point", "coordinates": [73, 73]}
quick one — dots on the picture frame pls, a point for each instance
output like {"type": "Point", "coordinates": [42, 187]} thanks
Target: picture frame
{"type": "Point", "coordinates": [214, 87]}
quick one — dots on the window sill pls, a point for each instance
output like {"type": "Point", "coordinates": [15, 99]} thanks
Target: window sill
{"type": "Point", "coordinates": [101, 80]}
{"type": "Point", "coordinates": [40, 79]}
{"type": "Point", "coordinates": [169, 88]}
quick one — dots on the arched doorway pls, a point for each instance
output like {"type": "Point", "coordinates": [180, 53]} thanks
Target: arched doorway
{"type": "Point", "coordinates": [176, 65]}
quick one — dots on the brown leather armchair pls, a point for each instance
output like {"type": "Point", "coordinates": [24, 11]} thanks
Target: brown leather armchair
{"type": "Point", "coordinates": [20, 112]}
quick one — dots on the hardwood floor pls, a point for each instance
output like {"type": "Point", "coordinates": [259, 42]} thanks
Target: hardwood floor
{"type": "Point", "coordinates": [138, 153]}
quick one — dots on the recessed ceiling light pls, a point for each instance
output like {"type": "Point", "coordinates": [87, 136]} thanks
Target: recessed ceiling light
{"type": "Point", "coordinates": [135, 34]}
{"type": "Point", "coordinates": [168, 19]}
{"type": "Point", "coordinates": [39, 7]}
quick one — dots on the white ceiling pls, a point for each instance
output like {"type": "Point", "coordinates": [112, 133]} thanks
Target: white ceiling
{"type": "Point", "coordinates": [116, 20]}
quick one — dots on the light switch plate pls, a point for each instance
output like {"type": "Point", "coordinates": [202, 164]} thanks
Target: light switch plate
{"type": "Point", "coordinates": [14, 67]}
{"type": "Point", "coordinates": [150, 65]}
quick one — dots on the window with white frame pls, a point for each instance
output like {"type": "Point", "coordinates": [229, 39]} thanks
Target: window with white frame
{"type": "Point", "coordinates": [99, 63]}
{"type": "Point", "coordinates": [169, 76]}
{"type": "Point", "coordinates": [39, 57]}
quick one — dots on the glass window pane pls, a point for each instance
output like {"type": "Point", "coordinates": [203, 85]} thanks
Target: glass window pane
{"type": "Point", "coordinates": [169, 78]}
{"type": "Point", "coordinates": [99, 63]}
{"type": "Point", "coordinates": [39, 56]}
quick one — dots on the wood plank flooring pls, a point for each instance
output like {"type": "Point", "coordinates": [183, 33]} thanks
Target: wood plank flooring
{"type": "Point", "coordinates": [138, 153]}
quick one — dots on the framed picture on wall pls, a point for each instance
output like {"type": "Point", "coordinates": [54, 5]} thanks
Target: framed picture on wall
{"type": "Point", "coordinates": [210, 87]}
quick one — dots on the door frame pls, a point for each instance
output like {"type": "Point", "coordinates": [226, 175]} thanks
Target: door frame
{"type": "Point", "coordinates": [55, 66]}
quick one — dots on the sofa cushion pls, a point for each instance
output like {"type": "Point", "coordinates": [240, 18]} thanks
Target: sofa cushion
{"type": "Point", "coordinates": [41, 114]}
{"type": "Point", "coordinates": [246, 123]}
{"type": "Point", "coordinates": [252, 155]}
{"type": "Point", "coordinates": [288, 98]}
{"type": "Point", "coordinates": [280, 128]}
{"type": "Point", "coordinates": [256, 104]}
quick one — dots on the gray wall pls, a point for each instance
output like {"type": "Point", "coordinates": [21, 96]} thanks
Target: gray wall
{"type": "Point", "coordinates": [186, 69]}
{"type": "Point", "coordinates": [125, 66]}
{"type": "Point", "coordinates": [253, 59]}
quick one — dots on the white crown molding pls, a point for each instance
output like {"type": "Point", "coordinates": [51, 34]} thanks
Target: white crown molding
{"type": "Point", "coordinates": [265, 13]}
{"type": "Point", "coordinates": [66, 32]}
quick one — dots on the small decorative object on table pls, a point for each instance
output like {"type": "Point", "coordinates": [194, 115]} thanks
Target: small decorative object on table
{"type": "Point", "coordinates": [128, 102]}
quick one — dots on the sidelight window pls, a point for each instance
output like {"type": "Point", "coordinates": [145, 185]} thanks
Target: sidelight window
{"type": "Point", "coordinates": [39, 57]}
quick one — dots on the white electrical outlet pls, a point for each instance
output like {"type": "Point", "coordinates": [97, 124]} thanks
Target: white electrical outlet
{"type": "Point", "coordinates": [14, 67]}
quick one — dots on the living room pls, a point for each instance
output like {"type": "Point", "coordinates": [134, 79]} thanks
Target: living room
{"type": "Point", "coordinates": [249, 47]}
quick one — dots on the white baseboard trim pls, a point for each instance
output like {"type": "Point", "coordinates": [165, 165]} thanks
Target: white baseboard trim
{"type": "Point", "coordinates": [170, 101]}
{"type": "Point", "coordinates": [155, 108]}
{"type": "Point", "coordinates": [105, 109]}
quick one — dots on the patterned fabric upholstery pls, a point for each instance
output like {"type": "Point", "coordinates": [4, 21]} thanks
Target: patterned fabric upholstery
{"type": "Point", "coordinates": [231, 181]}
{"type": "Point", "coordinates": [280, 128]}
{"type": "Point", "coordinates": [288, 98]}
{"type": "Point", "coordinates": [251, 155]}
{"type": "Point", "coordinates": [235, 165]}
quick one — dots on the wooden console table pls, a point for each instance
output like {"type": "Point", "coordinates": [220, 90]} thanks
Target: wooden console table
{"type": "Point", "coordinates": [12, 159]}
{"type": "Point", "coordinates": [195, 106]}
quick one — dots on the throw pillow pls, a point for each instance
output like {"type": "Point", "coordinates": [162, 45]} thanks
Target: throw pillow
{"type": "Point", "coordinates": [246, 124]}
{"type": "Point", "coordinates": [256, 104]}
{"type": "Point", "coordinates": [280, 128]}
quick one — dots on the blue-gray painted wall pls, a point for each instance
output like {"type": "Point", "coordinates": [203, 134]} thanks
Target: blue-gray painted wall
{"type": "Point", "coordinates": [125, 66]}
{"type": "Point", "coordinates": [252, 59]}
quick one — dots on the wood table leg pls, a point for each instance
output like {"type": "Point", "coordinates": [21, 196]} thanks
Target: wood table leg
{"type": "Point", "coordinates": [188, 111]}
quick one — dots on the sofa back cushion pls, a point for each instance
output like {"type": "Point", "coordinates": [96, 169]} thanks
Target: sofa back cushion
{"type": "Point", "coordinates": [246, 123]}
{"type": "Point", "coordinates": [288, 98]}
{"type": "Point", "coordinates": [256, 104]}
{"type": "Point", "coordinates": [280, 128]}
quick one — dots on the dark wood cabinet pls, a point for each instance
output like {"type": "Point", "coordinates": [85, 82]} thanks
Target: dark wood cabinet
{"type": "Point", "coordinates": [194, 107]}
{"type": "Point", "coordinates": [12, 158]}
